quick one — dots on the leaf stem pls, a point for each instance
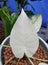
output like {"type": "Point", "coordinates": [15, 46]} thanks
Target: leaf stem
{"type": "Point", "coordinates": [6, 46]}
{"type": "Point", "coordinates": [18, 61]}
{"type": "Point", "coordinates": [29, 60]}
{"type": "Point", "coordinates": [43, 60]}
{"type": "Point", "coordinates": [9, 60]}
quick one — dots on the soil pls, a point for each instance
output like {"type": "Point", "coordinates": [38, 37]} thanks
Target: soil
{"type": "Point", "coordinates": [7, 54]}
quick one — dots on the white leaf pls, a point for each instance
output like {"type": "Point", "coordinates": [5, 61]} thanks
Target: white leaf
{"type": "Point", "coordinates": [42, 64]}
{"type": "Point", "coordinates": [37, 21]}
{"type": "Point", "coordinates": [23, 37]}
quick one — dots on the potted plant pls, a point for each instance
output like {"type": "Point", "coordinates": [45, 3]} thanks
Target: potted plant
{"type": "Point", "coordinates": [26, 24]}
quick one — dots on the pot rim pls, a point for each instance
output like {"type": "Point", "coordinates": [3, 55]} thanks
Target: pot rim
{"type": "Point", "coordinates": [9, 37]}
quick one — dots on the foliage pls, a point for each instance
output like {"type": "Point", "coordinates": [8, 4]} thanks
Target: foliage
{"type": "Point", "coordinates": [7, 19]}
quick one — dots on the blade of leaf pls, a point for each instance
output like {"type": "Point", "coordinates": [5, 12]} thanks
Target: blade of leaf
{"type": "Point", "coordinates": [8, 20]}
{"type": "Point", "coordinates": [6, 11]}
{"type": "Point", "coordinates": [4, 14]}
{"type": "Point", "coordinates": [37, 21]}
{"type": "Point", "coordinates": [14, 18]}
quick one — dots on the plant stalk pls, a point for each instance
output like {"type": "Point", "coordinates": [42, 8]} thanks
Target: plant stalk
{"type": "Point", "coordinates": [29, 60]}
{"type": "Point", "coordinates": [9, 60]}
{"type": "Point", "coordinates": [43, 60]}
{"type": "Point", "coordinates": [5, 46]}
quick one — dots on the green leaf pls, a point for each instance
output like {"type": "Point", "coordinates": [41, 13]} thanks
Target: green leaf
{"type": "Point", "coordinates": [14, 17]}
{"type": "Point", "coordinates": [5, 16]}
{"type": "Point", "coordinates": [8, 20]}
